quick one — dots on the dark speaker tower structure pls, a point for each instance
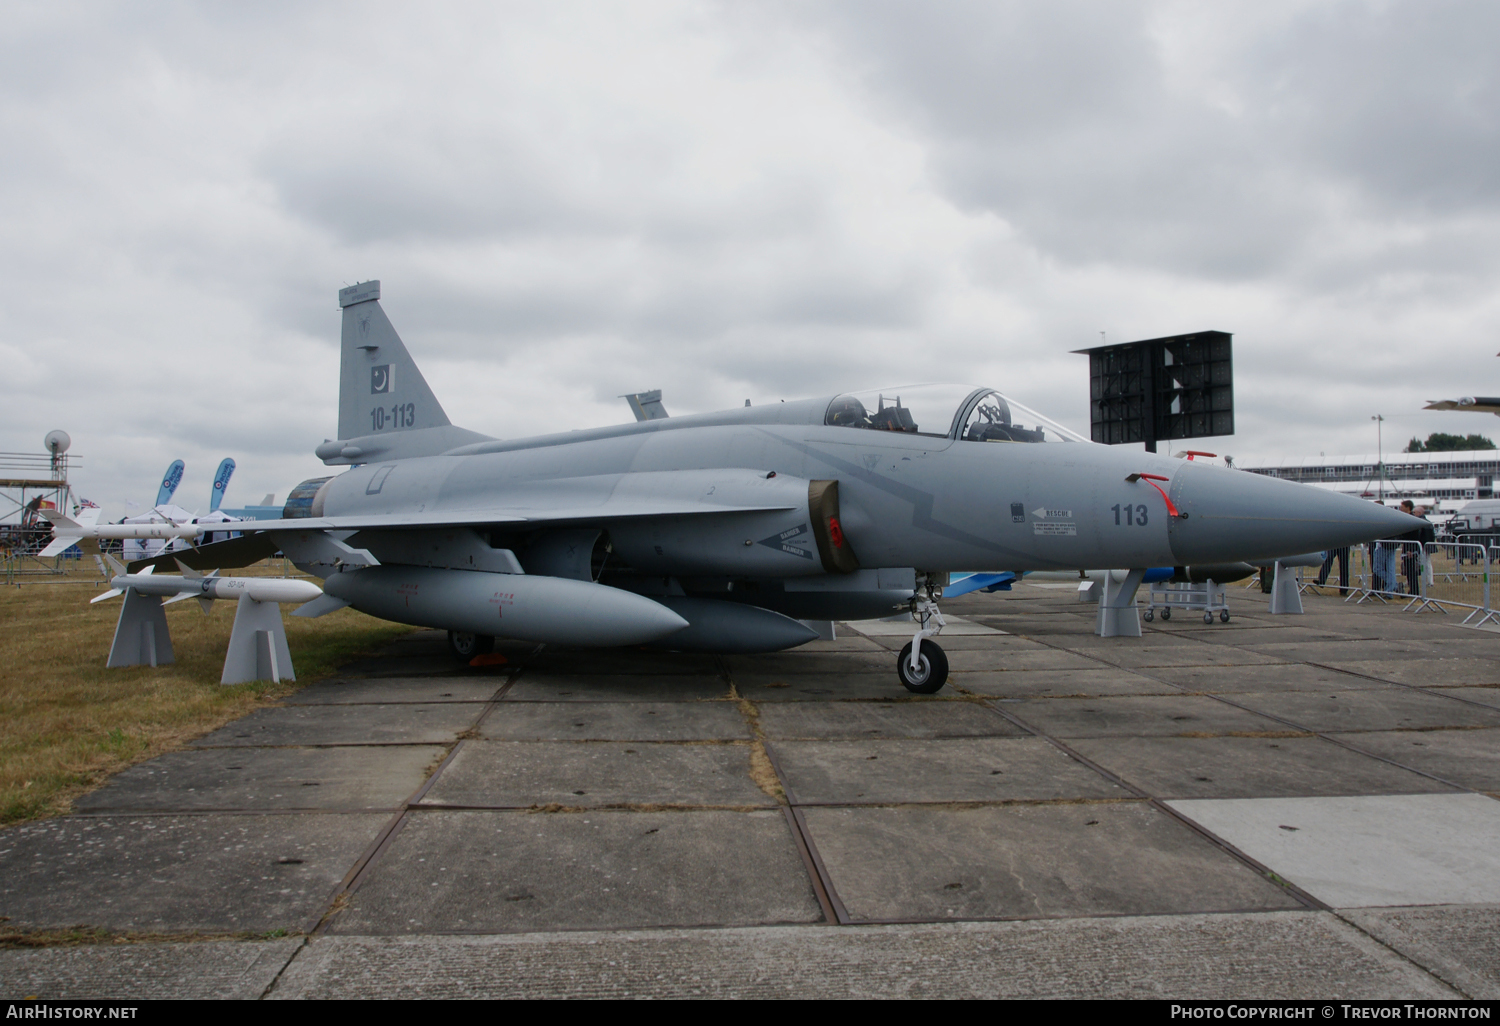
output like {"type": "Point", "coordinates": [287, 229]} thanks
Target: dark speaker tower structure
{"type": "Point", "coordinates": [1160, 389]}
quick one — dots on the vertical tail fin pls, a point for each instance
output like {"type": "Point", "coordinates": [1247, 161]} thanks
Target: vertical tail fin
{"type": "Point", "coordinates": [386, 409]}
{"type": "Point", "coordinates": [380, 388]}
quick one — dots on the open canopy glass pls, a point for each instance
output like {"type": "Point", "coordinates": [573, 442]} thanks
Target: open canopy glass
{"type": "Point", "coordinates": [945, 411]}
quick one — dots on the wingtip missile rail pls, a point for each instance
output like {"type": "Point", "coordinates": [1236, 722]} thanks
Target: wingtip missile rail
{"type": "Point", "coordinates": [67, 532]}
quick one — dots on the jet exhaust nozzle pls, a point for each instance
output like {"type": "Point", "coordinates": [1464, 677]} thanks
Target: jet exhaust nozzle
{"type": "Point", "coordinates": [522, 607]}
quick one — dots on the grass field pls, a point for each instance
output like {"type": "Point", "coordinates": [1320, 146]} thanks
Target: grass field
{"type": "Point", "coordinates": [66, 722]}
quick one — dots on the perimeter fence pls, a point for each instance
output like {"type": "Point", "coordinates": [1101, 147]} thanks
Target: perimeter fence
{"type": "Point", "coordinates": [1446, 576]}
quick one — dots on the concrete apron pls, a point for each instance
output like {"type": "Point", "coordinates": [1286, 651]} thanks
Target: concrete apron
{"type": "Point", "coordinates": [1170, 815]}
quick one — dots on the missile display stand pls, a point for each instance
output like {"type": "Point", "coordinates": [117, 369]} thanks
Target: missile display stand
{"type": "Point", "coordinates": [141, 637]}
{"type": "Point", "coordinates": [257, 646]}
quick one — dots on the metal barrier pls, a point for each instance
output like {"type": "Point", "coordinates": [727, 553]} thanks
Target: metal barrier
{"type": "Point", "coordinates": [1428, 577]}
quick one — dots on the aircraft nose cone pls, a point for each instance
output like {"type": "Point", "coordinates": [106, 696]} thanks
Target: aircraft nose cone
{"type": "Point", "coordinates": [1235, 515]}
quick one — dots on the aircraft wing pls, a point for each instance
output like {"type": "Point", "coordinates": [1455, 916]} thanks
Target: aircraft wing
{"type": "Point", "coordinates": [259, 540]}
{"type": "Point", "coordinates": [482, 517]}
{"type": "Point", "coordinates": [1468, 404]}
{"type": "Point", "coordinates": [592, 499]}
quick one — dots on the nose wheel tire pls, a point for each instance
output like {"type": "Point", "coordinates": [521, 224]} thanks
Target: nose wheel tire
{"type": "Point", "coordinates": [931, 672]}
{"type": "Point", "coordinates": [467, 646]}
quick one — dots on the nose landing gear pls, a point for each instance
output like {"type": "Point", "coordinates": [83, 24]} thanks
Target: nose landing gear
{"type": "Point", "coordinates": [922, 666]}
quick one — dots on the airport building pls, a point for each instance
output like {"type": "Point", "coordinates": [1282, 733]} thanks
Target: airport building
{"type": "Point", "coordinates": [1440, 480]}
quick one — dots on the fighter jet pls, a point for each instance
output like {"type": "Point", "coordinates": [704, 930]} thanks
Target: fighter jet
{"type": "Point", "coordinates": [1468, 404]}
{"type": "Point", "coordinates": [738, 531]}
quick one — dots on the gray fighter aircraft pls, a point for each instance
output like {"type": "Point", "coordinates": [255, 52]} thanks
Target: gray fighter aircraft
{"type": "Point", "coordinates": [731, 531]}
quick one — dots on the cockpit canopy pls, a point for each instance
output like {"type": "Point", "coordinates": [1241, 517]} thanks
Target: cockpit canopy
{"type": "Point", "coordinates": [945, 411]}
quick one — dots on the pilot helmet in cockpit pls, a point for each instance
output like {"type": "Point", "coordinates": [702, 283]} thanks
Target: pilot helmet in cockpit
{"type": "Point", "coordinates": [847, 411]}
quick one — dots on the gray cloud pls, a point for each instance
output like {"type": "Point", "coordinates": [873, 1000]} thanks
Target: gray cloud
{"type": "Point", "coordinates": [567, 202]}
{"type": "Point", "coordinates": [1107, 135]}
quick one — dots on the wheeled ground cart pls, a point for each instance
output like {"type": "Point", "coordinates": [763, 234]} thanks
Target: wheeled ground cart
{"type": "Point", "coordinates": [1206, 596]}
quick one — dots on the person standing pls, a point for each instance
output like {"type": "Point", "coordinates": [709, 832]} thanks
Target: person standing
{"type": "Point", "coordinates": [1412, 543]}
{"type": "Point", "coordinates": [1342, 555]}
{"type": "Point", "coordinates": [1380, 579]}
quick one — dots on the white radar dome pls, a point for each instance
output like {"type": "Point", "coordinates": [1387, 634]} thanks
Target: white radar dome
{"type": "Point", "coordinates": [57, 442]}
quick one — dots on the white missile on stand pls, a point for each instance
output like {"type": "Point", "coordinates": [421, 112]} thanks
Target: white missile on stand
{"type": "Point", "coordinates": [67, 532]}
{"type": "Point", "coordinates": [208, 587]}
{"type": "Point", "coordinates": [257, 647]}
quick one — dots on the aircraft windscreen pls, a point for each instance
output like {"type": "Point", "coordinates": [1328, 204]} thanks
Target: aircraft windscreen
{"type": "Point", "coordinates": [997, 419]}
{"type": "Point", "coordinates": [912, 409]}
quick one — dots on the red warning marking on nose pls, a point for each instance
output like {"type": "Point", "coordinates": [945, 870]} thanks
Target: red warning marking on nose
{"type": "Point", "coordinates": [1151, 480]}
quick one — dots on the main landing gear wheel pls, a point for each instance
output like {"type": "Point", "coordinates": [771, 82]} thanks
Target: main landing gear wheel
{"type": "Point", "coordinates": [467, 646]}
{"type": "Point", "coordinates": [932, 669]}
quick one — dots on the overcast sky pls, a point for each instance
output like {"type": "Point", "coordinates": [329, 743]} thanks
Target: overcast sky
{"type": "Point", "coordinates": [565, 202]}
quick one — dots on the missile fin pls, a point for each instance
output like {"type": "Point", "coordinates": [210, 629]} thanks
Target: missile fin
{"type": "Point", "coordinates": [179, 598]}
{"type": "Point", "coordinates": [187, 571]}
{"type": "Point", "coordinates": [205, 604]}
{"type": "Point", "coordinates": [111, 593]}
{"type": "Point", "coordinates": [57, 546]}
{"type": "Point", "coordinates": [146, 571]}
{"type": "Point", "coordinates": [115, 565]}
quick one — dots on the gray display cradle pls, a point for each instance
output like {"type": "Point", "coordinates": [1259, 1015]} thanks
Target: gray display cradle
{"type": "Point", "coordinates": [257, 646]}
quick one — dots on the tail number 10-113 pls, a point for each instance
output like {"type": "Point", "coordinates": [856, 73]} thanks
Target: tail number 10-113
{"type": "Point", "coordinates": [403, 415]}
